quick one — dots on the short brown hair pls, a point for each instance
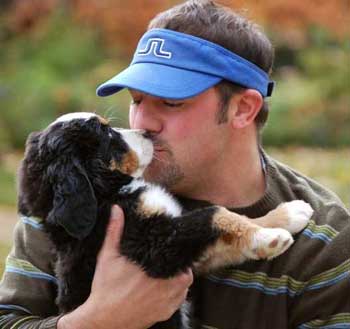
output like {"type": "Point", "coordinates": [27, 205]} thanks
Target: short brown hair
{"type": "Point", "coordinates": [208, 20]}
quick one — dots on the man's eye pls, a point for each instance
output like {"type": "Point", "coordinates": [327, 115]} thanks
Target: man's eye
{"type": "Point", "coordinates": [135, 102]}
{"type": "Point", "coordinates": [171, 104]}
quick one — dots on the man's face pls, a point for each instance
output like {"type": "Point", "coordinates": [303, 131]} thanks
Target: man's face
{"type": "Point", "coordinates": [189, 143]}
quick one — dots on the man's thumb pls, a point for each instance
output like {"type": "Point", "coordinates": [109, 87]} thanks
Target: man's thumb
{"type": "Point", "coordinates": [114, 231]}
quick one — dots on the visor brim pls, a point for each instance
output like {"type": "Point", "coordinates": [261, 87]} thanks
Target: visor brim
{"type": "Point", "coordinates": [159, 80]}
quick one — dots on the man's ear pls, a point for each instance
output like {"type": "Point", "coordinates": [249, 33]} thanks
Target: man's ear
{"type": "Point", "coordinates": [74, 202]}
{"type": "Point", "coordinates": [244, 107]}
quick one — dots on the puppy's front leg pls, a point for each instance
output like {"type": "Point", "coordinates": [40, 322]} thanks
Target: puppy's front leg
{"type": "Point", "coordinates": [292, 216]}
{"type": "Point", "coordinates": [240, 239]}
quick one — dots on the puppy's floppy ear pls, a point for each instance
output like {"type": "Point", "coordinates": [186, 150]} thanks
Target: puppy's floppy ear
{"type": "Point", "coordinates": [74, 202]}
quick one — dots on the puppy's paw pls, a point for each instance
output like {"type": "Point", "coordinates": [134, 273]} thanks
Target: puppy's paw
{"type": "Point", "coordinates": [299, 214]}
{"type": "Point", "coordinates": [268, 243]}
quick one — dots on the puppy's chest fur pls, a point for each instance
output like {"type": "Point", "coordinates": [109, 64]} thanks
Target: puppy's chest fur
{"type": "Point", "coordinates": [152, 199]}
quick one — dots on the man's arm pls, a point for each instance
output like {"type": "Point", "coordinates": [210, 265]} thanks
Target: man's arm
{"type": "Point", "coordinates": [28, 285]}
{"type": "Point", "coordinates": [122, 295]}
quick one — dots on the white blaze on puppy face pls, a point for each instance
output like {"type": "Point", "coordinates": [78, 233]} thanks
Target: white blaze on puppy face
{"type": "Point", "coordinates": [142, 147]}
{"type": "Point", "coordinates": [73, 116]}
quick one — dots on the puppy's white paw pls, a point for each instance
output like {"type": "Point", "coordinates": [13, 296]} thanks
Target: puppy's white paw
{"type": "Point", "coordinates": [299, 213]}
{"type": "Point", "coordinates": [268, 243]}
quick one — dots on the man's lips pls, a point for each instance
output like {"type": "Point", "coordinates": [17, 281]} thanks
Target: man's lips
{"type": "Point", "coordinates": [159, 148]}
{"type": "Point", "coordinates": [159, 152]}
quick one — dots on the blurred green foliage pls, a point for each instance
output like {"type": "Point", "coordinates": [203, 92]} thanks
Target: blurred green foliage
{"type": "Point", "coordinates": [4, 250]}
{"type": "Point", "coordinates": [8, 194]}
{"type": "Point", "coordinates": [311, 105]}
{"type": "Point", "coordinates": [55, 68]}
{"type": "Point", "coordinates": [50, 72]}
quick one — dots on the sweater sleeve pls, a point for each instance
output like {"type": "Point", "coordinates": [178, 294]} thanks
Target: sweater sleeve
{"type": "Point", "coordinates": [11, 320]}
{"type": "Point", "coordinates": [28, 286]}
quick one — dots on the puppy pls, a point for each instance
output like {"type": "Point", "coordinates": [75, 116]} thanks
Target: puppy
{"type": "Point", "coordinates": [79, 166]}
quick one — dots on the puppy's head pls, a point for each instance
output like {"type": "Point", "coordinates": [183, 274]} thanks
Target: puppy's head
{"type": "Point", "coordinates": [68, 166]}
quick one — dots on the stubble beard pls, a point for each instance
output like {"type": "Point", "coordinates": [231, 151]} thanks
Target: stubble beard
{"type": "Point", "coordinates": [163, 169]}
{"type": "Point", "coordinates": [167, 174]}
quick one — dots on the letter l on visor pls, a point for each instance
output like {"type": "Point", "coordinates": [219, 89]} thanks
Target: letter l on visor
{"type": "Point", "coordinates": [176, 65]}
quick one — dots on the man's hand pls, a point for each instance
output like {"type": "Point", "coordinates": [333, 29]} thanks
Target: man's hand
{"type": "Point", "coordinates": [122, 295]}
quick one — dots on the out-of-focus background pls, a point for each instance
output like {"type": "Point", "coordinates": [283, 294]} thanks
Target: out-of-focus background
{"type": "Point", "coordinates": [54, 53]}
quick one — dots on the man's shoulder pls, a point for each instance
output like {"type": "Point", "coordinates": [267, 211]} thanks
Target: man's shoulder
{"type": "Point", "coordinates": [328, 207]}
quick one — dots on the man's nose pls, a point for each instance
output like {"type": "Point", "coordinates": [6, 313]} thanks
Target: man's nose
{"type": "Point", "coordinates": [145, 116]}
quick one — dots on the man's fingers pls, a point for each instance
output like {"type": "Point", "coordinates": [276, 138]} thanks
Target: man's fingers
{"type": "Point", "coordinates": [114, 232]}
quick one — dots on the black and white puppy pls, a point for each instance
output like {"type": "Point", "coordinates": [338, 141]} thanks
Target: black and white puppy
{"type": "Point", "coordinates": [75, 169]}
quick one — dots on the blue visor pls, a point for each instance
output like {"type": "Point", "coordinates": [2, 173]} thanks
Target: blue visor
{"type": "Point", "coordinates": [175, 65]}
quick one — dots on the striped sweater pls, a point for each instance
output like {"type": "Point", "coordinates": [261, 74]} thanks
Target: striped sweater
{"type": "Point", "coordinates": [307, 287]}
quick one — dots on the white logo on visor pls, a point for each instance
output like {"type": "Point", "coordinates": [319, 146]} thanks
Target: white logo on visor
{"type": "Point", "coordinates": [155, 46]}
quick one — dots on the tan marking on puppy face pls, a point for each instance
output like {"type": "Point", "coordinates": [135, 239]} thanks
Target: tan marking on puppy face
{"type": "Point", "coordinates": [128, 165]}
{"type": "Point", "coordinates": [113, 165]}
{"type": "Point", "coordinates": [102, 120]}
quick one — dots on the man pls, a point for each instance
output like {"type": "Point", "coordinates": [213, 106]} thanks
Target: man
{"type": "Point", "coordinates": [198, 84]}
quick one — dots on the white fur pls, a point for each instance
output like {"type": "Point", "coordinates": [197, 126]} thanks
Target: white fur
{"type": "Point", "coordinates": [263, 238]}
{"type": "Point", "coordinates": [134, 185]}
{"type": "Point", "coordinates": [299, 214]}
{"type": "Point", "coordinates": [142, 146]}
{"type": "Point", "coordinates": [155, 197]}
{"type": "Point", "coordinates": [74, 115]}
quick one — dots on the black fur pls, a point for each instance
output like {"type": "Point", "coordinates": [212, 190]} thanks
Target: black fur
{"type": "Point", "coordinates": [65, 178]}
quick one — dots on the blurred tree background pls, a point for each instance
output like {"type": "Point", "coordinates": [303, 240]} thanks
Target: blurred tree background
{"type": "Point", "coordinates": [53, 54]}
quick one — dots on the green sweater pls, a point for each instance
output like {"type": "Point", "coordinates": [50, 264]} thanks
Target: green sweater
{"type": "Point", "coordinates": [306, 287]}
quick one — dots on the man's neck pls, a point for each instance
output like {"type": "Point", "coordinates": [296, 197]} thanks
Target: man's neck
{"type": "Point", "coordinates": [238, 181]}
